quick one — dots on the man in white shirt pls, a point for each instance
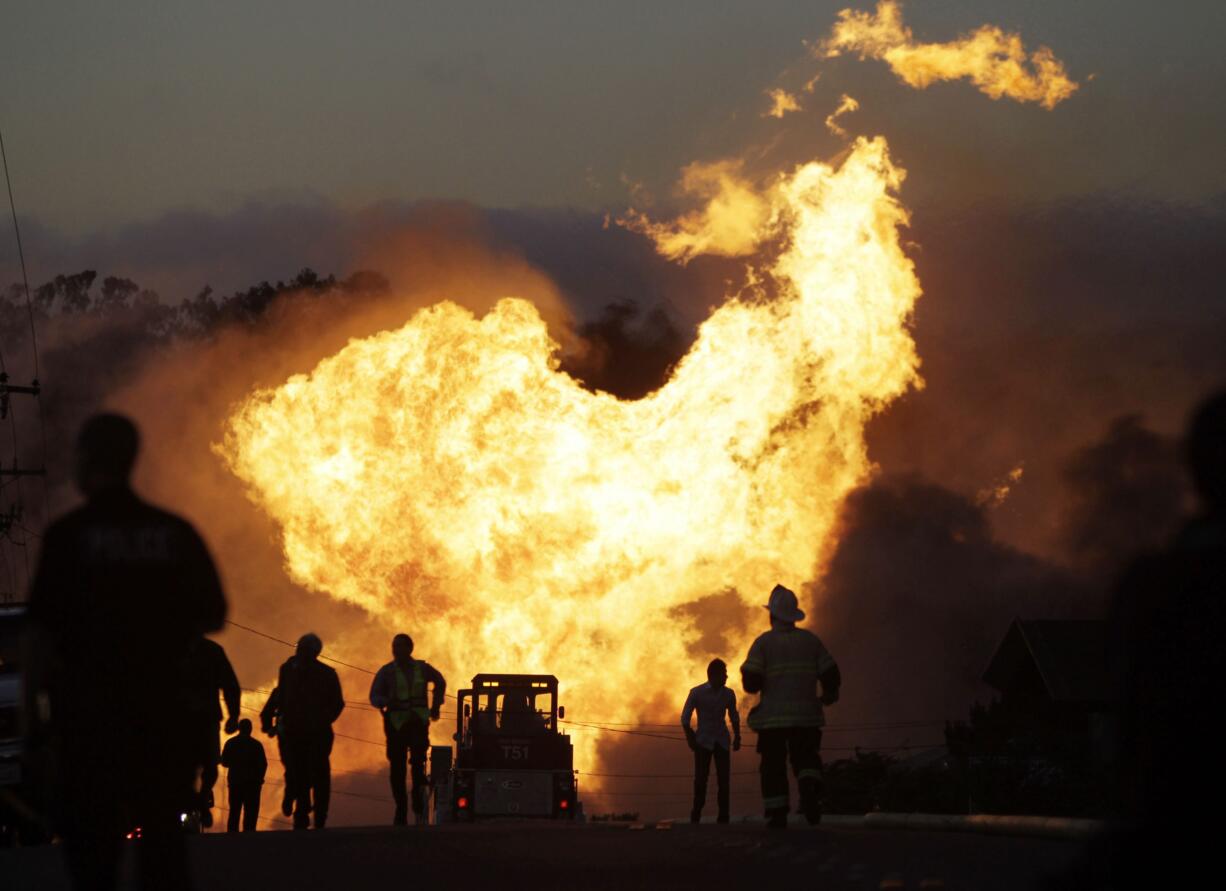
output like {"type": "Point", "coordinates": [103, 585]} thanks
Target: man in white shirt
{"type": "Point", "coordinates": [712, 700]}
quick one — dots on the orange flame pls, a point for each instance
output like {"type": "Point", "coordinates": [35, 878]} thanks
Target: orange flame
{"type": "Point", "coordinates": [846, 106]}
{"type": "Point", "coordinates": [729, 224]}
{"type": "Point", "coordinates": [448, 478]}
{"type": "Point", "coordinates": [995, 495]}
{"type": "Point", "coordinates": [782, 102]}
{"type": "Point", "coordinates": [992, 59]}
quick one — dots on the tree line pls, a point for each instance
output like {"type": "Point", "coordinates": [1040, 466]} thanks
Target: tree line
{"type": "Point", "coordinates": [82, 294]}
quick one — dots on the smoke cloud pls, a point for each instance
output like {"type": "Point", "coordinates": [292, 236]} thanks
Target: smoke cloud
{"type": "Point", "coordinates": [1127, 494]}
{"type": "Point", "coordinates": [917, 593]}
{"type": "Point", "coordinates": [920, 588]}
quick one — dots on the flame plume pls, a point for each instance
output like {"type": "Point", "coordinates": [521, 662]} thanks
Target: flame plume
{"type": "Point", "coordinates": [993, 60]}
{"type": "Point", "coordinates": [846, 106]}
{"type": "Point", "coordinates": [450, 479]}
{"type": "Point", "coordinates": [782, 102]}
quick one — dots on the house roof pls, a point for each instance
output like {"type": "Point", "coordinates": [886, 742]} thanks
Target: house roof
{"type": "Point", "coordinates": [1070, 656]}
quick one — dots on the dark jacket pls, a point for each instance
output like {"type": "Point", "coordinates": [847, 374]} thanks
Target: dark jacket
{"type": "Point", "coordinates": [209, 672]}
{"type": "Point", "coordinates": [121, 590]}
{"type": "Point", "coordinates": [307, 698]}
{"type": "Point", "coordinates": [244, 760]}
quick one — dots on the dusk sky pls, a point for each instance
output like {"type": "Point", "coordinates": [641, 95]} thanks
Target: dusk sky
{"type": "Point", "coordinates": [116, 113]}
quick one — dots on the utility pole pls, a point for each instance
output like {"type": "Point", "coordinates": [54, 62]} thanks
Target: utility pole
{"type": "Point", "coordinates": [6, 391]}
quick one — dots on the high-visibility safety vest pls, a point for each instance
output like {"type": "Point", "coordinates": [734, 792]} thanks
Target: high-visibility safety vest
{"type": "Point", "coordinates": [790, 661]}
{"type": "Point", "coordinates": [409, 697]}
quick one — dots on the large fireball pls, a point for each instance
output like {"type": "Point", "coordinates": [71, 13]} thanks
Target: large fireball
{"type": "Point", "coordinates": [451, 480]}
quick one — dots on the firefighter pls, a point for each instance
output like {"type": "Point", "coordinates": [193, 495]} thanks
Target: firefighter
{"type": "Point", "coordinates": [785, 665]}
{"type": "Point", "coordinates": [121, 591]}
{"type": "Point", "coordinates": [713, 700]}
{"type": "Point", "coordinates": [399, 692]}
{"type": "Point", "coordinates": [245, 764]}
{"type": "Point", "coordinates": [209, 672]}
{"type": "Point", "coordinates": [299, 713]}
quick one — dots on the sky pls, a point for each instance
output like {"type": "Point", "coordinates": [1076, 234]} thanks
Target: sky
{"type": "Point", "coordinates": [1067, 256]}
{"type": "Point", "coordinates": [186, 146]}
{"type": "Point", "coordinates": [117, 113]}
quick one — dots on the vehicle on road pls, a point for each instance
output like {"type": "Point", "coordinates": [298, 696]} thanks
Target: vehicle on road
{"type": "Point", "coordinates": [18, 818]}
{"type": "Point", "coordinates": [511, 758]}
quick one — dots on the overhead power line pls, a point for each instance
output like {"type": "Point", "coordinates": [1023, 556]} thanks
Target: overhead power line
{"type": "Point", "coordinates": [15, 474]}
{"type": "Point", "coordinates": [294, 646]}
{"type": "Point", "coordinates": [609, 726]}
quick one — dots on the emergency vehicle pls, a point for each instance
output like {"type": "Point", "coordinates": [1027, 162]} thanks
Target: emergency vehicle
{"type": "Point", "coordinates": [511, 758]}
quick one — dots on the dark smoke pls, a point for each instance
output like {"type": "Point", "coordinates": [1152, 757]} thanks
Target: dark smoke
{"type": "Point", "coordinates": [916, 595]}
{"type": "Point", "coordinates": [1127, 494]}
{"type": "Point", "coordinates": [96, 335]}
{"type": "Point", "coordinates": [920, 588]}
{"type": "Point", "coordinates": [626, 353]}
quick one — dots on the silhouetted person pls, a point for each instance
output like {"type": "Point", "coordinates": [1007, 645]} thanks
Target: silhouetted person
{"type": "Point", "coordinates": [209, 674]}
{"type": "Point", "coordinates": [713, 700]}
{"type": "Point", "coordinates": [785, 664]}
{"type": "Point", "coordinates": [121, 591]}
{"type": "Point", "coordinates": [486, 720]}
{"type": "Point", "coordinates": [520, 716]}
{"type": "Point", "coordinates": [1171, 618]}
{"type": "Point", "coordinates": [245, 763]}
{"type": "Point", "coordinates": [399, 691]}
{"type": "Point", "coordinates": [300, 712]}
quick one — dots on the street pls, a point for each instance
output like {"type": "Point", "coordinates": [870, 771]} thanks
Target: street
{"type": "Point", "coordinates": [516, 855]}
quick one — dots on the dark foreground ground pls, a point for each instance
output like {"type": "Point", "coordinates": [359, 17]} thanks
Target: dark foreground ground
{"type": "Point", "coordinates": [523, 855]}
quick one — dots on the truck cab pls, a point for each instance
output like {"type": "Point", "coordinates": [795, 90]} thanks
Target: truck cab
{"type": "Point", "coordinates": [511, 758]}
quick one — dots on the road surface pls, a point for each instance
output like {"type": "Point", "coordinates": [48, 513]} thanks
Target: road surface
{"type": "Point", "coordinates": [522, 855]}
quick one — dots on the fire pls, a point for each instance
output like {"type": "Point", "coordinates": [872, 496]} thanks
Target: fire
{"type": "Point", "coordinates": [995, 495]}
{"type": "Point", "coordinates": [448, 478]}
{"type": "Point", "coordinates": [846, 106]}
{"type": "Point", "coordinates": [992, 59]}
{"type": "Point", "coordinates": [782, 102]}
{"type": "Point", "coordinates": [730, 223]}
